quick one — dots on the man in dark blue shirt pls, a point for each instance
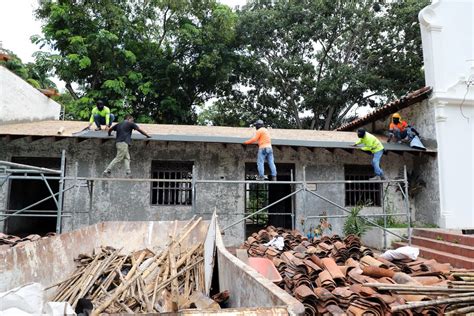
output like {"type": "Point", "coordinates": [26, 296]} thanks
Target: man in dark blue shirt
{"type": "Point", "coordinates": [122, 141]}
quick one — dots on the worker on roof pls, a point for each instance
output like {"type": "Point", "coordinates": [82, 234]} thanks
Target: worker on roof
{"type": "Point", "coordinates": [101, 116]}
{"type": "Point", "coordinates": [397, 128]}
{"type": "Point", "coordinates": [265, 151]}
{"type": "Point", "coordinates": [401, 130]}
{"type": "Point", "coordinates": [373, 145]}
{"type": "Point", "coordinates": [123, 139]}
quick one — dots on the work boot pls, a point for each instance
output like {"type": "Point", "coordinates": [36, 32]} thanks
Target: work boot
{"type": "Point", "coordinates": [106, 173]}
{"type": "Point", "coordinates": [274, 178]}
{"type": "Point", "coordinates": [375, 178]}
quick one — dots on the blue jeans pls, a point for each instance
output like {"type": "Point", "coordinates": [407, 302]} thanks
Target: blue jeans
{"type": "Point", "coordinates": [399, 135]}
{"type": "Point", "coordinates": [100, 120]}
{"type": "Point", "coordinates": [376, 163]}
{"type": "Point", "coordinates": [266, 153]}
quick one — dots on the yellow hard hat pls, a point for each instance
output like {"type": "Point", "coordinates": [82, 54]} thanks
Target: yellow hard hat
{"type": "Point", "coordinates": [396, 115]}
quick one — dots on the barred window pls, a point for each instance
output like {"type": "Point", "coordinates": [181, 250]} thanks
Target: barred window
{"type": "Point", "coordinates": [256, 197]}
{"type": "Point", "coordinates": [167, 192]}
{"type": "Point", "coordinates": [361, 193]}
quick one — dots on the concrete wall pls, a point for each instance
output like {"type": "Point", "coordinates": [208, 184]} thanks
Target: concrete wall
{"type": "Point", "coordinates": [112, 201]}
{"type": "Point", "coordinates": [447, 30]}
{"type": "Point", "coordinates": [247, 285]}
{"type": "Point", "coordinates": [20, 102]}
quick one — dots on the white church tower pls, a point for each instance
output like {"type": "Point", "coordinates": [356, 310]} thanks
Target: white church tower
{"type": "Point", "coordinates": [447, 30]}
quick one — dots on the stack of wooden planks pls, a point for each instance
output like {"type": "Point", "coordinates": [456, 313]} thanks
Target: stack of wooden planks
{"type": "Point", "coordinates": [144, 281]}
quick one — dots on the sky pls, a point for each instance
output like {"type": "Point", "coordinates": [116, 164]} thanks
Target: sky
{"type": "Point", "coordinates": [18, 24]}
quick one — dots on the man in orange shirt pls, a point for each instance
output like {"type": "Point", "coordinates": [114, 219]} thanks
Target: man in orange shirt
{"type": "Point", "coordinates": [398, 128]}
{"type": "Point", "coordinates": [265, 151]}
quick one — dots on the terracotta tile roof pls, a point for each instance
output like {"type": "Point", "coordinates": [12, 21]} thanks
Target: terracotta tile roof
{"type": "Point", "coordinates": [389, 108]}
{"type": "Point", "coordinates": [331, 274]}
{"type": "Point", "coordinates": [8, 241]}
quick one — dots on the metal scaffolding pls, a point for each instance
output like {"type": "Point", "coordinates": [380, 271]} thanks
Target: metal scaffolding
{"type": "Point", "coordinates": [14, 171]}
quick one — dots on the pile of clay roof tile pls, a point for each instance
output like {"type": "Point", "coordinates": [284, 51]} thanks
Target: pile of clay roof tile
{"type": "Point", "coordinates": [8, 241]}
{"type": "Point", "coordinates": [332, 275]}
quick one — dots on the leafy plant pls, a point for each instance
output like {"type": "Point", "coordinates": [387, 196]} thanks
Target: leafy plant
{"type": "Point", "coordinates": [391, 221]}
{"type": "Point", "coordinates": [355, 224]}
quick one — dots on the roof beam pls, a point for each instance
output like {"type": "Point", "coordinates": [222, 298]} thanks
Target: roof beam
{"type": "Point", "coordinates": [104, 140]}
{"type": "Point", "coordinates": [82, 139]}
{"type": "Point", "coordinates": [348, 150]}
{"type": "Point", "coordinates": [34, 138]}
{"type": "Point", "coordinates": [398, 152]}
{"type": "Point", "coordinates": [11, 138]}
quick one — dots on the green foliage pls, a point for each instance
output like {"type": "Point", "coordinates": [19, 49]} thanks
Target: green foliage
{"type": "Point", "coordinates": [321, 58]}
{"type": "Point", "coordinates": [158, 59]}
{"type": "Point", "coordinates": [355, 224]}
{"type": "Point", "coordinates": [37, 74]}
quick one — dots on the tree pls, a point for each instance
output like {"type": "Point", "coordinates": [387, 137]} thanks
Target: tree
{"type": "Point", "coordinates": [305, 64]}
{"type": "Point", "coordinates": [36, 73]}
{"type": "Point", "coordinates": [156, 59]}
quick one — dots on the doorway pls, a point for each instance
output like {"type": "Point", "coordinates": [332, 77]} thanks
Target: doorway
{"type": "Point", "coordinates": [259, 195]}
{"type": "Point", "coordinates": [24, 192]}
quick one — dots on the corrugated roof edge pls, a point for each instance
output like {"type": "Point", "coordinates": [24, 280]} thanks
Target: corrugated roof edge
{"type": "Point", "coordinates": [389, 108]}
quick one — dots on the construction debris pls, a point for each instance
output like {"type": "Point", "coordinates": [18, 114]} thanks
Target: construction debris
{"type": "Point", "coordinates": [8, 241]}
{"type": "Point", "coordinates": [338, 276]}
{"type": "Point", "coordinates": [140, 282]}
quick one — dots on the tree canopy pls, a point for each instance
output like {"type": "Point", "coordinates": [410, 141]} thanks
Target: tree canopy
{"type": "Point", "coordinates": [305, 64]}
{"type": "Point", "coordinates": [157, 59]}
{"type": "Point", "coordinates": [295, 64]}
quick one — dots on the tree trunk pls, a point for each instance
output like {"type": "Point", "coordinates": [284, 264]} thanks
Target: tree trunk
{"type": "Point", "coordinates": [327, 123]}
{"type": "Point", "coordinates": [71, 91]}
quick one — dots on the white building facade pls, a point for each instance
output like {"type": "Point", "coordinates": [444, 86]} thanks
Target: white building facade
{"type": "Point", "coordinates": [20, 102]}
{"type": "Point", "coordinates": [447, 29]}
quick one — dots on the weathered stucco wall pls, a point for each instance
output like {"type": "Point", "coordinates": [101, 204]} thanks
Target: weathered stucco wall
{"type": "Point", "coordinates": [113, 201]}
{"type": "Point", "coordinates": [425, 168]}
{"type": "Point", "coordinates": [20, 102]}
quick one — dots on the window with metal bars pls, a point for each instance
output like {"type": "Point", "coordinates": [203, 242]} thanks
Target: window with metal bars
{"type": "Point", "coordinates": [361, 193]}
{"type": "Point", "coordinates": [256, 197]}
{"type": "Point", "coordinates": [168, 192]}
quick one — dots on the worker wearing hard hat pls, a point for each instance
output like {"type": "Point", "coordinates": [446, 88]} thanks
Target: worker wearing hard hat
{"type": "Point", "coordinates": [397, 128]}
{"type": "Point", "coordinates": [265, 151]}
{"type": "Point", "coordinates": [101, 116]}
{"type": "Point", "coordinates": [373, 145]}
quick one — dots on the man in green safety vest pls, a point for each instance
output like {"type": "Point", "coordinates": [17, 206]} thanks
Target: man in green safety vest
{"type": "Point", "coordinates": [373, 145]}
{"type": "Point", "coordinates": [101, 116]}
